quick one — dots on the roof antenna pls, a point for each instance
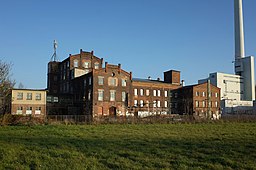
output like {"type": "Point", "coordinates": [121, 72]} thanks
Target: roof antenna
{"type": "Point", "coordinates": [54, 56]}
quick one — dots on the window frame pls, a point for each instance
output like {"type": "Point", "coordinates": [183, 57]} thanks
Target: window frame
{"type": "Point", "coordinates": [29, 96]}
{"type": "Point", "coordinates": [112, 96]}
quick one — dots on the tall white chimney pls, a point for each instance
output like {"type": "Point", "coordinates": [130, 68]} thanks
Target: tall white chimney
{"type": "Point", "coordinates": [239, 36]}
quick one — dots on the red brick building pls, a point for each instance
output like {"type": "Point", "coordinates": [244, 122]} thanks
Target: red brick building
{"type": "Point", "coordinates": [151, 97]}
{"type": "Point", "coordinates": [104, 91]}
{"type": "Point", "coordinates": [200, 100]}
{"type": "Point", "coordinates": [80, 85]}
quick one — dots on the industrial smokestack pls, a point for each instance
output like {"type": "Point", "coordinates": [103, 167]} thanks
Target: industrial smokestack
{"type": "Point", "coordinates": [239, 29]}
{"type": "Point", "coordinates": [239, 36]}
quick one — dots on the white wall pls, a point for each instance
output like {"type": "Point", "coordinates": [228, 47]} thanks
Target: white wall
{"type": "Point", "coordinates": [249, 79]}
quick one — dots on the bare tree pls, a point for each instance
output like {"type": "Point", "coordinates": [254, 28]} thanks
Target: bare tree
{"type": "Point", "coordinates": [6, 84]}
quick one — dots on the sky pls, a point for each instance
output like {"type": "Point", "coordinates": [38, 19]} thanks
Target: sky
{"type": "Point", "coordinates": [147, 37]}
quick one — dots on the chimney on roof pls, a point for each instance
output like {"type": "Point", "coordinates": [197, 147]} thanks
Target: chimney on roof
{"type": "Point", "coordinates": [106, 65]}
{"type": "Point", "coordinates": [172, 76]}
{"type": "Point", "coordinates": [92, 52]}
{"type": "Point", "coordinates": [119, 68]}
{"type": "Point", "coordinates": [81, 50]}
{"type": "Point", "coordinates": [130, 75]}
{"type": "Point", "coordinates": [182, 83]}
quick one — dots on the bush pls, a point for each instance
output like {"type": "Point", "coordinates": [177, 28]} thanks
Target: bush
{"type": "Point", "coordinates": [9, 119]}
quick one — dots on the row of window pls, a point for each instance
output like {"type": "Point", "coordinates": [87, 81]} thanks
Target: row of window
{"type": "Point", "coordinates": [86, 64]}
{"type": "Point", "coordinates": [146, 92]}
{"type": "Point", "coordinates": [112, 81]}
{"type": "Point", "coordinates": [203, 104]}
{"type": "Point", "coordinates": [204, 94]}
{"type": "Point", "coordinates": [89, 81]}
{"type": "Point", "coordinates": [112, 95]}
{"type": "Point", "coordinates": [143, 103]}
{"type": "Point", "coordinates": [29, 96]}
{"type": "Point", "coordinates": [28, 110]}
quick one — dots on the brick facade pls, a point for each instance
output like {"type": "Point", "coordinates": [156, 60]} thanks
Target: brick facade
{"type": "Point", "coordinates": [196, 100]}
{"type": "Point", "coordinates": [85, 87]}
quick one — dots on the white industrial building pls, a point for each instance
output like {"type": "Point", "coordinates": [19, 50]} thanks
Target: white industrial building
{"type": "Point", "coordinates": [237, 90]}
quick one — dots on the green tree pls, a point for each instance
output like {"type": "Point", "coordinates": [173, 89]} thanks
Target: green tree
{"type": "Point", "coordinates": [6, 85]}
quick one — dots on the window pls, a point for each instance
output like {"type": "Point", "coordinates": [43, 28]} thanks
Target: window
{"type": "Point", "coordinates": [29, 110]}
{"type": "Point", "coordinates": [75, 63]}
{"type": "Point", "coordinates": [176, 95]}
{"type": "Point", "coordinates": [158, 103]}
{"type": "Point", "coordinates": [203, 103]}
{"type": "Point", "coordinates": [86, 65]}
{"type": "Point", "coordinates": [96, 65]}
{"type": "Point", "coordinates": [154, 103]}
{"type": "Point", "coordinates": [147, 103]}
{"type": "Point", "coordinates": [135, 102]}
{"type": "Point", "coordinates": [101, 80]}
{"type": "Point", "coordinates": [123, 82]}
{"type": "Point", "coordinates": [19, 110]}
{"type": "Point", "coordinates": [112, 95]}
{"type": "Point", "coordinates": [170, 94]}
{"type": "Point", "coordinates": [55, 99]}
{"type": "Point", "coordinates": [100, 95]}
{"type": "Point", "coordinates": [38, 110]}
{"type": "Point", "coordinates": [90, 81]}
{"type": "Point", "coordinates": [197, 104]}
{"type": "Point", "coordinates": [19, 96]}
{"type": "Point", "coordinates": [123, 96]}
{"type": "Point", "coordinates": [84, 82]}
{"type": "Point", "coordinates": [38, 96]}
{"type": "Point", "coordinates": [158, 93]}
{"type": "Point", "coordinates": [197, 93]}
{"type": "Point", "coordinates": [203, 93]}
{"type": "Point", "coordinates": [135, 92]}
{"type": "Point", "coordinates": [55, 78]}
{"type": "Point", "coordinates": [68, 64]}
{"type": "Point", "coordinates": [112, 82]}
{"type": "Point", "coordinates": [165, 93]}
{"type": "Point", "coordinates": [29, 96]}
{"type": "Point", "coordinates": [141, 92]}
{"type": "Point", "coordinates": [216, 103]}
{"type": "Point", "coordinates": [147, 92]}
{"type": "Point", "coordinates": [216, 94]}
{"type": "Point", "coordinates": [165, 103]}
{"type": "Point", "coordinates": [89, 95]}
{"type": "Point", "coordinates": [154, 92]}
{"type": "Point", "coordinates": [141, 103]}
{"type": "Point", "coordinates": [49, 99]}
{"type": "Point", "coordinates": [176, 105]}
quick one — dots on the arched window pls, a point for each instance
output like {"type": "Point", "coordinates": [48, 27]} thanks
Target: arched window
{"type": "Point", "coordinates": [75, 63]}
{"type": "Point", "coordinates": [96, 65]}
{"type": "Point", "coordinates": [86, 64]}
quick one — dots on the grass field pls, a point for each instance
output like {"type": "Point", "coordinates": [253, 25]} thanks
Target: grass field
{"type": "Point", "coordinates": [152, 146]}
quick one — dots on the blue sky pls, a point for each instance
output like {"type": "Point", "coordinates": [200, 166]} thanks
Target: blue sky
{"type": "Point", "coordinates": [147, 37]}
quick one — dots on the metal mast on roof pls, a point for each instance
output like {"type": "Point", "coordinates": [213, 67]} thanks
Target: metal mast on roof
{"type": "Point", "coordinates": [54, 56]}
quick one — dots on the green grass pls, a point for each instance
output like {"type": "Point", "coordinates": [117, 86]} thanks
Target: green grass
{"type": "Point", "coordinates": [152, 146]}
